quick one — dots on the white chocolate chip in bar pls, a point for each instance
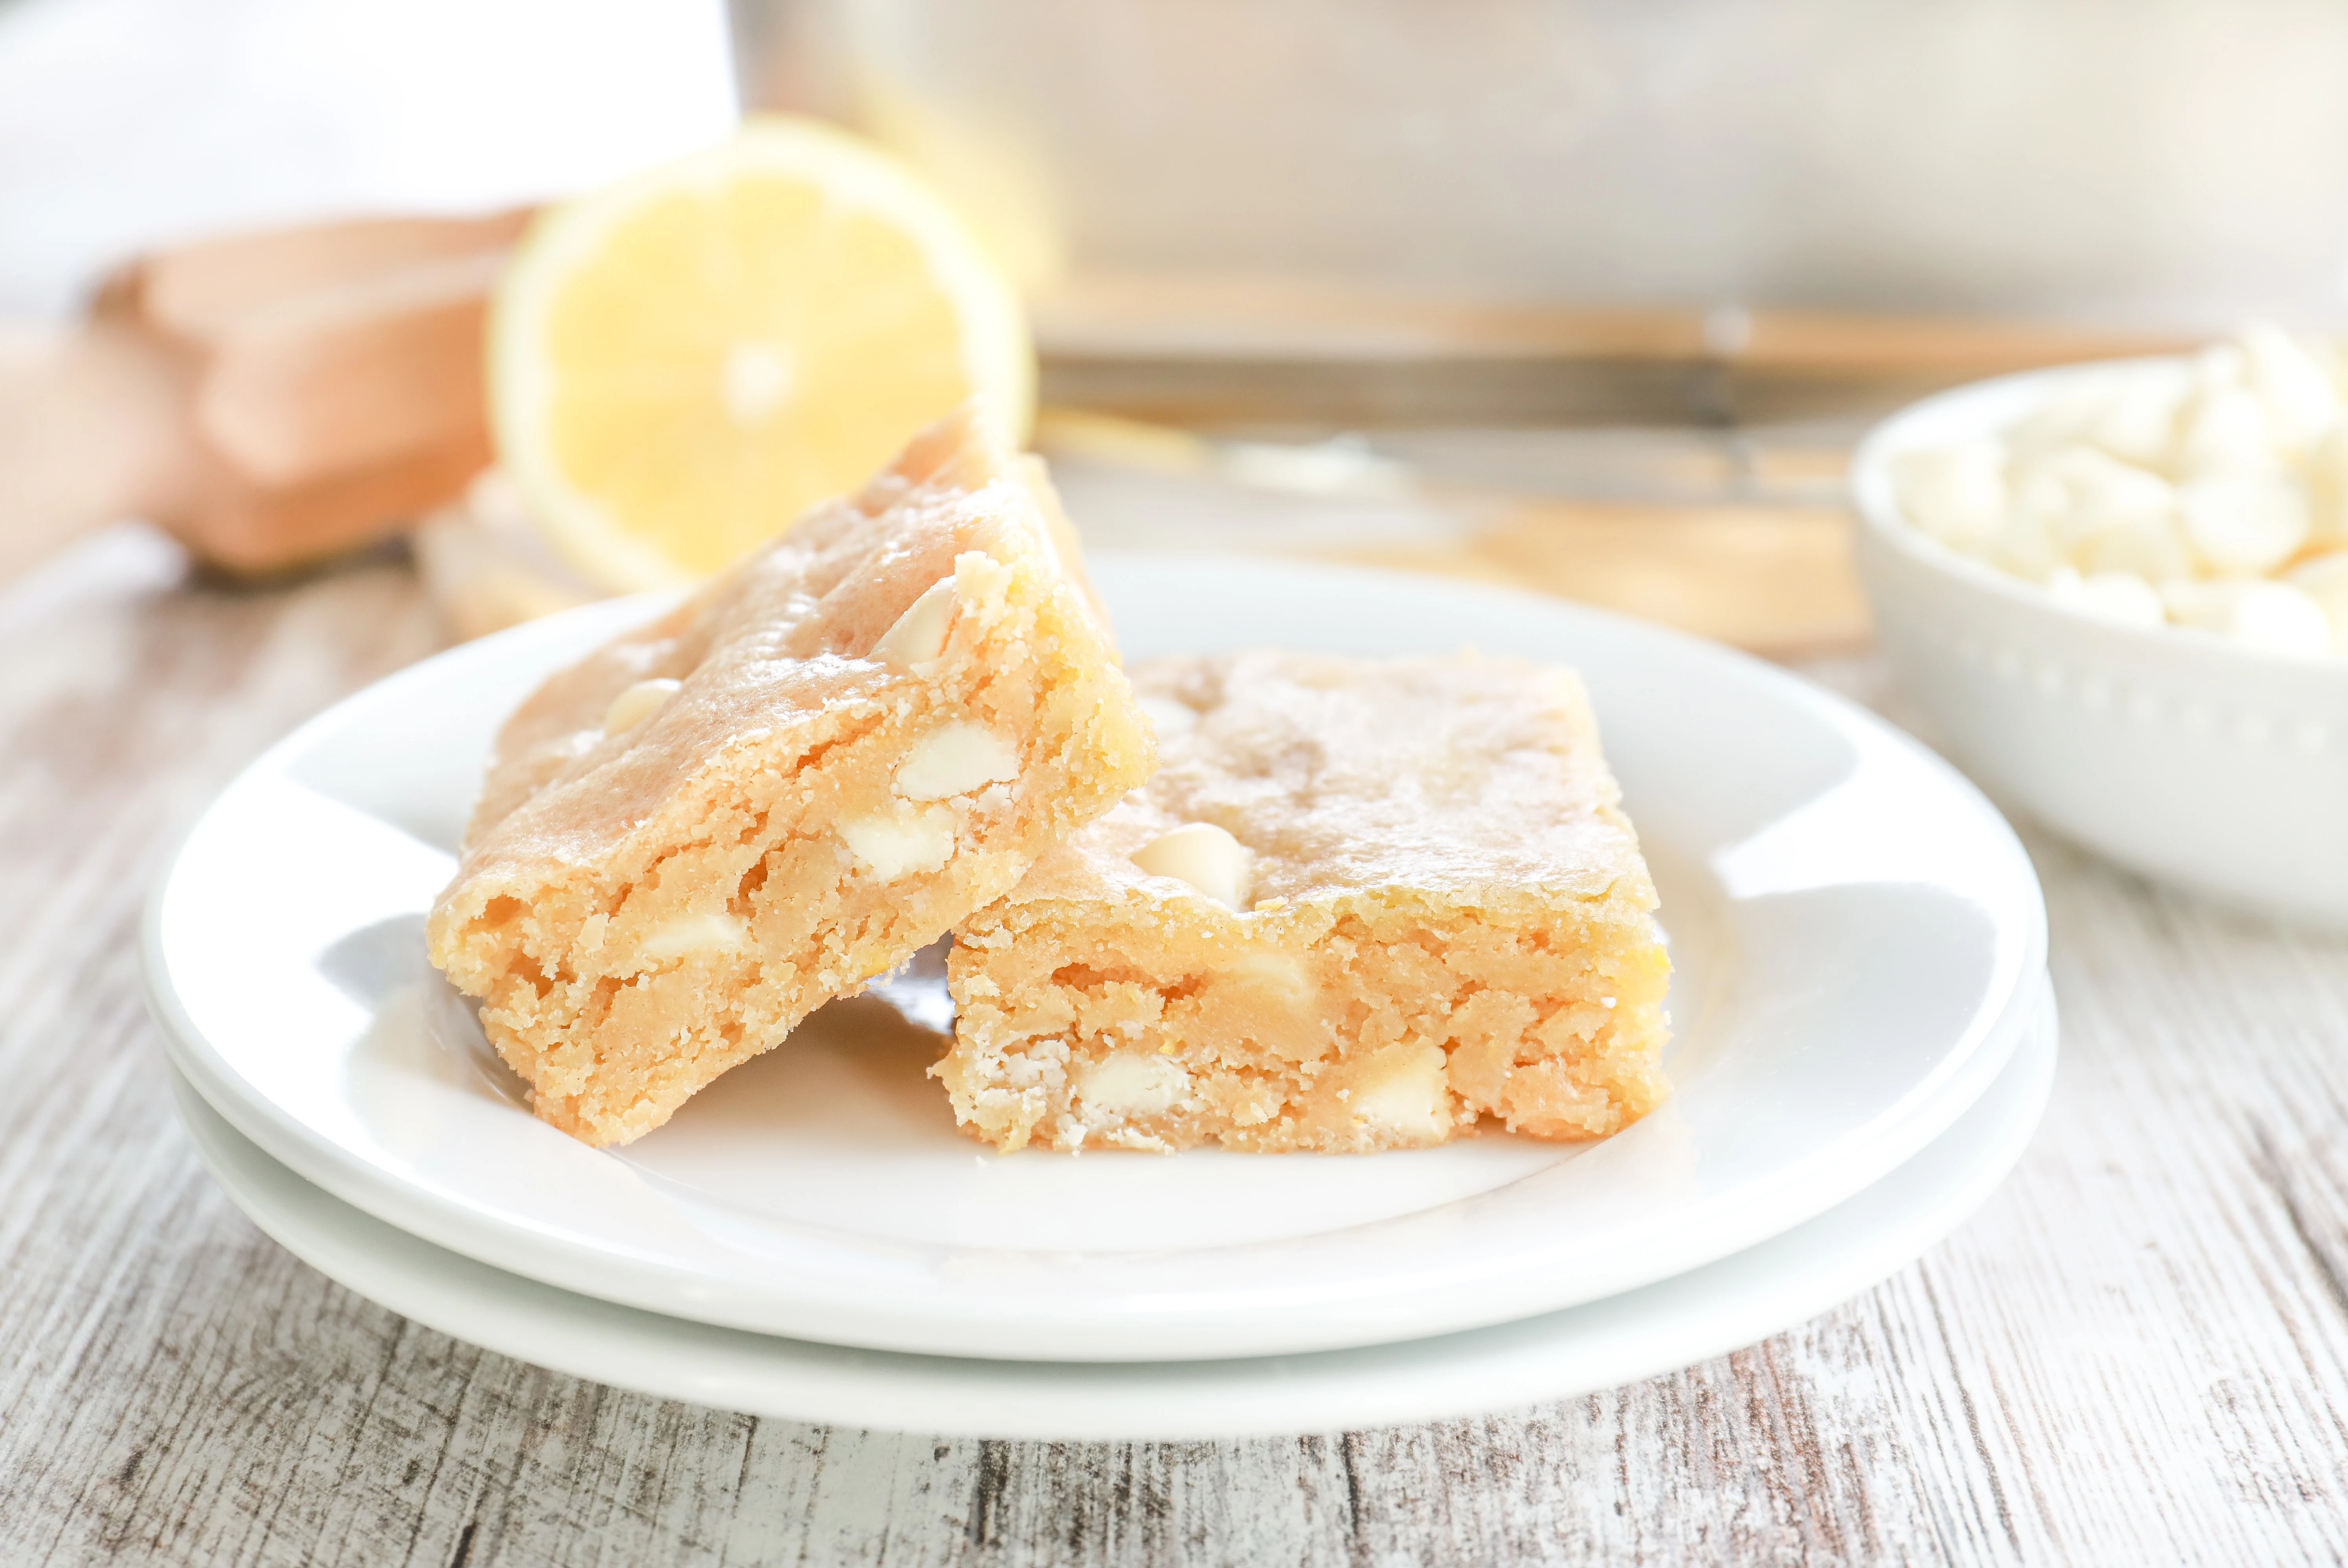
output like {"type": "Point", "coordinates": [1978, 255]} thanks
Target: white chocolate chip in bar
{"type": "Point", "coordinates": [920, 633]}
{"type": "Point", "coordinates": [1133, 1083]}
{"type": "Point", "coordinates": [691, 934]}
{"type": "Point", "coordinates": [1204, 855]}
{"type": "Point", "coordinates": [637, 703]}
{"type": "Point", "coordinates": [1404, 1090]}
{"type": "Point", "coordinates": [956, 759]}
{"type": "Point", "coordinates": [1279, 972]}
{"type": "Point", "coordinates": [891, 845]}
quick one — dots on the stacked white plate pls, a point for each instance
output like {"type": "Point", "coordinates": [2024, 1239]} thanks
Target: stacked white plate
{"type": "Point", "coordinates": [1864, 1039]}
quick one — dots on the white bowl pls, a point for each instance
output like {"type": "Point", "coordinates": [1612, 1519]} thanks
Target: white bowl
{"type": "Point", "coordinates": [2174, 752]}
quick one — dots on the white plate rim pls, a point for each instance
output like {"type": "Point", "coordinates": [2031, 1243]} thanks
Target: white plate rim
{"type": "Point", "coordinates": [1657, 1329]}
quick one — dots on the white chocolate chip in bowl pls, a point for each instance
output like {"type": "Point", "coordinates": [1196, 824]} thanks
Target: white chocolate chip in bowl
{"type": "Point", "coordinates": [2326, 581]}
{"type": "Point", "coordinates": [2275, 616]}
{"type": "Point", "coordinates": [2327, 490]}
{"type": "Point", "coordinates": [1957, 494]}
{"type": "Point", "coordinates": [1204, 855]}
{"type": "Point", "coordinates": [2143, 692]}
{"type": "Point", "coordinates": [2152, 548]}
{"type": "Point", "coordinates": [956, 759]}
{"type": "Point", "coordinates": [2140, 421]}
{"type": "Point", "coordinates": [2244, 525]}
{"type": "Point", "coordinates": [2103, 494]}
{"type": "Point", "coordinates": [637, 704]}
{"type": "Point", "coordinates": [920, 633]}
{"type": "Point", "coordinates": [2121, 596]}
{"type": "Point", "coordinates": [2225, 431]}
{"type": "Point", "coordinates": [2233, 464]}
{"type": "Point", "coordinates": [2300, 399]}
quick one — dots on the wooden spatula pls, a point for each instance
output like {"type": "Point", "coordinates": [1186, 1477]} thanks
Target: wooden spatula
{"type": "Point", "coordinates": [270, 398]}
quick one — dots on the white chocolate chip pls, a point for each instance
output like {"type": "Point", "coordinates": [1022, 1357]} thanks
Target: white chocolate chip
{"type": "Point", "coordinates": [955, 758]}
{"type": "Point", "coordinates": [2081, 505]}
{"type": "Point", "coordinates": [2106, 495]}
{"type": "Point", "coordinates": [2140, 422]}
{"type": "Point", "coordinates": [1204, 855]}
{"type": "Point", "coordinates": [2274, 617]}
{"type": "Point", "coordinates": [1404, 1089]}
{"type": "Point", "coordinates": [2220, 365]}
{"type": "Point", "coordinates": [691, 934]}
{"type": "Point", "coordinates": [2326, 581]}
{"type": "Point", "coordinates": [2327, 489]}
{"type": "Point", "coordinates": [1956, 494]}
{"type": "Point", "coordinates": [2120, 596]}
{"type": "Point", "coordinates": [1282, 973]}
{"type": "Point", "coordinates": [2226, 431]}
{"type": "Point", "coordinates": [920, 633]}
{"type": "Point", "coordinates": [2282, 619]}
{"type": "Point", "coordinates": [892, 844]}
{"type": "Point", "coordinates": [2300, 400]}
{"type": "Point", "coordinates": [2243, 524]}
{"type": "Point", "coordinates": [1168, 717]}
{"type": "Point", "coordinates": [636, 704]}
{"type": "Point", "coordinates": [2074, 410]}
{"type": "Point", "coordinates": [2152, 548]}
{"type": "Point", "coordinates": [1132, 1083]}
{"type": "Point", "coordinates": [2032, 545]}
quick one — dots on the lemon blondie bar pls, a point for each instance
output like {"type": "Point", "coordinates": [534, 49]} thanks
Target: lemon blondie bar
{"type": "Point", "coordinates": [845, 744]}
{"type": "Point", "coordinates": [1361, 905]}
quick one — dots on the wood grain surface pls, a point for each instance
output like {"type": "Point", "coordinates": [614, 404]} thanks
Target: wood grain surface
{"type": "Point", "coordinates": [2136, 1353]}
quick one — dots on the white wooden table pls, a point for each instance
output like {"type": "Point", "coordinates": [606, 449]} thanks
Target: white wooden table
{"type": "Point", "coordinates": [2137, 1353]}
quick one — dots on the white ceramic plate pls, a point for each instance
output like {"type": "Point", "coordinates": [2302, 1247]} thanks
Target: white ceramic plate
{"type": "Point", "coordinates": [1856, 934]}
{"type": "Point", "coordinates": [1715, 1309]}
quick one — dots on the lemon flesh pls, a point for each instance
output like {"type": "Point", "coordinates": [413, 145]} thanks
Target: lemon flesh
{"type": "Point", "coordinates": [682, 363]}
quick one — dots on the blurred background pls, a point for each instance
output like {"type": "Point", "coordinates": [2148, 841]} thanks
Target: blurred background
{"type": "Point", "coordinates": [129, 124]}
{"type": "Point", "coordinates": [1589, 295]}
{"type": "Point", "coordinates": [2091, 159]}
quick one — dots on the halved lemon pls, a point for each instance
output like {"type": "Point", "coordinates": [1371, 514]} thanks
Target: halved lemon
{"type": "Point", "coordinates": [681, 363]}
